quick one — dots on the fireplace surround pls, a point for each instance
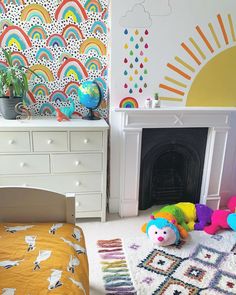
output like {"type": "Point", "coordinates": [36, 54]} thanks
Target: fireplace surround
{"type": "Point", "coordinates": [125, 171]}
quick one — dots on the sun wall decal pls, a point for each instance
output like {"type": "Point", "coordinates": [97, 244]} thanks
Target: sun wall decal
{"type": "Point", "coordinates": [205, 74]}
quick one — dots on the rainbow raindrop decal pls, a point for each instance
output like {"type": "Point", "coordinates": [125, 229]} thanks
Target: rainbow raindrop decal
{"type": "Point", "coordinates": [135, 61]}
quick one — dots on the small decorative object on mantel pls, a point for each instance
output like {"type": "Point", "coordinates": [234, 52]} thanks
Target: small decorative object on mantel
{"type": "Point", "coordinates": [148, 103]}
{"type": "Point", "coordinates": [90, 96]}
{"type": "Point", "coordinates": [13, 86]}
{"type": "Point", "coordinates": [156, 101]}
{"type": "Point", "coordinates": [65, 113]}
{"type": "Point", "coordinates": [129, 103]}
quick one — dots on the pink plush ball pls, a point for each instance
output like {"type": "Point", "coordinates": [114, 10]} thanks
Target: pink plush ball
{"type": "Point", "coordinates": [232, 204]}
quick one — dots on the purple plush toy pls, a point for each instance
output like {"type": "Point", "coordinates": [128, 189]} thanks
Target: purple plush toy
{"type": "Point", "coordinates": [203, 216]}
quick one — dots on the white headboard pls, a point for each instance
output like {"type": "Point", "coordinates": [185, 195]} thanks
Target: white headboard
{"type": "Point", "coordinates": [19, 204]}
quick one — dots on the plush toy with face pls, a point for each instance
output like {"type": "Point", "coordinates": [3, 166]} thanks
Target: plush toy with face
{"type": "Point", "coordinates": [163, 232]}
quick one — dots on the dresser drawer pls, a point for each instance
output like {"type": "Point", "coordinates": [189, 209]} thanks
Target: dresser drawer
{"type": "Point", "coordinates": [74, 163]}
{"type": "Point", "coordinates": [86, 141]}
{"type": "Point", "coordinates": [80, 183]}
{"type": "Point", "coordinates": [11, 142]}
{"type": "Point", "coordinates": [86, 203]}
{"type": "Point", "coordinates": [50, 141]}
{"type": "Point", "coordinates": [24, 164]}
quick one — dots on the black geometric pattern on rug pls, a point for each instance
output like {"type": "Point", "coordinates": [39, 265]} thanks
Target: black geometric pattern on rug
{"type": "Point", "coordinates": [207, 256]}
{"type": "Point", "coordinates": [224, 282]}
{"type": "Point", "coordinates": [160, 262]}
{"type": "Point", "coordinates": [202, 270]}
{"type": "Point", "coordinates": [176, 287]}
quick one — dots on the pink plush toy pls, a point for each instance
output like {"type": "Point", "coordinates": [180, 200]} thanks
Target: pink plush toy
{"type": "Point", "coordinates": [219, 218]}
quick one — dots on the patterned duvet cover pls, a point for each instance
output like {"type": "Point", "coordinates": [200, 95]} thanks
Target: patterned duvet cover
{"type": "Point", "coordinates": [43, 259]}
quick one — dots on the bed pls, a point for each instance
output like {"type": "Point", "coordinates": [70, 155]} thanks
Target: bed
{"type": "Point", "coordinates": [41, 250]}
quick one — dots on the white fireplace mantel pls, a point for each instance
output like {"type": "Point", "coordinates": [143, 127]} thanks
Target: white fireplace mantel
{"type": "Point", "coordinates": [129, 136]}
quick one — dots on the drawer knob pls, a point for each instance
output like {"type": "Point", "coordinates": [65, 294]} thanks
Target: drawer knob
{"type": "Point", "coordinates": [11, 141]}
{"type": "Point", "coordinates": [78, 183]}
{"type": "Point", "coordinates": [77, 163]}
{"type": "Point", "coordinates": [86, 140]}
{"type": "Point", "coordinates": [22, 164]}
{"type": "Point", "coordinates": [50, 141]}
{"type": "Point", "coordinates": [77, 204]}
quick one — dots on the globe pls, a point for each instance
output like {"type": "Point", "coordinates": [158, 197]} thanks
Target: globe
{"type": "Point", "coordinates": [90, 96]}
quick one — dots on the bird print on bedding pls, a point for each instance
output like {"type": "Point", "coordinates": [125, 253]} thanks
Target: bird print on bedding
{"type": "Point", "coordinates": [55, 227]}
{"type": "Point", "coordinates": [74, 261]}
{"type": "Point", "coordinates": [30, 240]}
{"type": "Point", "coordinates": [14, 229]}
{"type": "Point", "coordinates": [54, 279]}
{"type": "Point", "coordinates": [76, 235]}
{"type": "Point", "coordinates": [46, 257]}
{"type": "Point", "coordinates": [9, 264]}
{"type": "Point", "coordinates": [78, 248]}
{"type": "Point", "coordinates": [43, 255]}
{"type": "Point", "coordinates": [8, 291]}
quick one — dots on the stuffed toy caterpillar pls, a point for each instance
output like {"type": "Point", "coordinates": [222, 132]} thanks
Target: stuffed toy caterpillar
{"type": "Point", "coordinates": [163, 230]}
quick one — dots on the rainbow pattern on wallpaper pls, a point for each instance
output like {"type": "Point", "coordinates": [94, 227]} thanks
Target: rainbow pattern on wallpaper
{"type": "Point", "coordinates": [37, 32]}
{"type": "Point", "coordinates": [64, 42]}
{"type": "Point", "coordinates": [72, 88]}
{"type": "Point", "coordinates": [98, 27]}
{"type": "Point", "coordinates": [18, 59]}
{"type": "Point", "coordinates": [73, 10]}
{"type": "Point", "coordinates": [36, 11]}
{"type": "Point", "coordinates": [44, 53]}
{"type": "Point", "coordinates": [56, 40]}
{"type": "Point", "coordinates": [72, 32]}
{"type": "Point", "coordinates": [93, 45]}
{"type": "Point", "coordinates": [14, 35]}
{"type": "Point", "coordinates": [73, 68]}
{"type": "Point", "coordinates": [16, 2]}
{"type": "Point", "coordinates": [93, 6]}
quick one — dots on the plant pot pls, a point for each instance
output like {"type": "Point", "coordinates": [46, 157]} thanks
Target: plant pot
{"type": "Point", "coordinates": [8, 105]}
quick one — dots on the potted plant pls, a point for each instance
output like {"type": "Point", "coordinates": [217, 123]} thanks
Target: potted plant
{"type": "Point", "coordinates": [13, 86]}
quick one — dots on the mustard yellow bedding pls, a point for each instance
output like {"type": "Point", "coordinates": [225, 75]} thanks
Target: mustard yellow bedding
{"type": "Point", "coordinates": [42, 259]}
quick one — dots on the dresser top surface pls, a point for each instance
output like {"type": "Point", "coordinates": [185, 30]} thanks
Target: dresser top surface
{"type": "Point", "coordinates": [51, 122]}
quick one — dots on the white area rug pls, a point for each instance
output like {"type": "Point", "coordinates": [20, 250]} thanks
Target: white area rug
{"type": "Point", "coordinates": [203, 264]}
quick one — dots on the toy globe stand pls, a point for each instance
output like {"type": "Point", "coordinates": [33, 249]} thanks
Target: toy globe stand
{"type": "Point", "coordinates": [90, 96]}
{"type": "Point", "coordinates": [91, 116]}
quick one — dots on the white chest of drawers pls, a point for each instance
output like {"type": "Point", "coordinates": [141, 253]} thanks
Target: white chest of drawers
{"type": "Point", "coordinates": [66, 157]}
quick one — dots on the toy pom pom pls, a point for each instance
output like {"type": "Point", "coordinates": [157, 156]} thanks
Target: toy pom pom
{"type": "Point", "coordinates": [152, 217]}
{"type": "Point", "coordinates": [173, 221]}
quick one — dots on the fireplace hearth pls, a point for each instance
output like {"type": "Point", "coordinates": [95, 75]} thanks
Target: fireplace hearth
{"type": "Point", "coordinates": [172, 162]}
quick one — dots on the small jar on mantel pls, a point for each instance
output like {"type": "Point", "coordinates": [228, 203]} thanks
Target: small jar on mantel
{"type": "Point", "coordinates": [156, 101]}
{"type": "Point", "coordinates": [148, 103]}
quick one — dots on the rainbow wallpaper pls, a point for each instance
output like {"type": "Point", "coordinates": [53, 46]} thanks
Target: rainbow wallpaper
{"type": "Point", "coordinates": [64, 42]}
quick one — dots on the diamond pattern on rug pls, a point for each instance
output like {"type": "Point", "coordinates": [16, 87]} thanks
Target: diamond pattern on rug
{"type": "Point", "coordinates": [160, 262]}
{"type": "Point", "coordinates": [208, 256]}
{"type": "Point", "coordinates": [224, 282]}
{"type": "Point", "coordinates": [195, 273]}
{"type": "Point", "coordinates": [176, 287]}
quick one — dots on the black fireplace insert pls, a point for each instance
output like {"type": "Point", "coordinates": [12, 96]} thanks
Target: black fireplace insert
{"type": "Point", "coordinates": [172, 161]}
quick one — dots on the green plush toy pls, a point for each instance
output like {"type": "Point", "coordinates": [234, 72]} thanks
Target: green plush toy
{"type": "Point", "coordinates": [177, 213]}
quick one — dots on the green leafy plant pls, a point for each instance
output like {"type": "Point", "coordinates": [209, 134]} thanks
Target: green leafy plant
{"type": "Point", "coordinates": [156, 96]}
{"type": "Point", "coordinates": [13, 78]}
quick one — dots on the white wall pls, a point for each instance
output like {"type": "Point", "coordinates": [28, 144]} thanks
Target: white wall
{"type": "Point", "coordinates": [165, 34]}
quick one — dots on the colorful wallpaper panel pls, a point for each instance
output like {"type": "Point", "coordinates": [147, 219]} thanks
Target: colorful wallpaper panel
{"type": "Point", "coordinates": [64, 42]}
